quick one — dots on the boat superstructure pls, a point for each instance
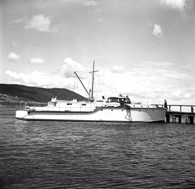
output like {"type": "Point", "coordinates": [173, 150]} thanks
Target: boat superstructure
{"type": "Point", "coordinates": [116, 109]}
{"type": "Point", "coordinates": [112, 109]}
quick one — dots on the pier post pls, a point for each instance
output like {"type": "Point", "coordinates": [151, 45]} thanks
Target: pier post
{"type": "Point", "coordinates": [179, 119]}
{"type": "Point", "coordinates": [192, 109]}
{"type": "Point", "coordinates": [167, 118]}
{"type": "Point", "coordinates": [182, 114]}
{"type": "Point", "coordinates": [173, 119]}
{"type": "Point", "coordinates": [191, 119]}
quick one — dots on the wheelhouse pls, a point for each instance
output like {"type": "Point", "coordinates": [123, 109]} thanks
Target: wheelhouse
{"type": "Point", "coordinates": [121, 100]}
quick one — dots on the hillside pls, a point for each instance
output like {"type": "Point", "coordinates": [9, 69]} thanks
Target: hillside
{"type": "Point", "coordinates": [35, 94]}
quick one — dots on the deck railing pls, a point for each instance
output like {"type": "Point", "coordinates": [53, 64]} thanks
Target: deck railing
{"type": "Point", "coordinates": [179, 108]}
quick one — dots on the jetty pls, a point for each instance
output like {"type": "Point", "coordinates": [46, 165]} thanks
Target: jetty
{"type": "Point", "coordinates": [179, 113]}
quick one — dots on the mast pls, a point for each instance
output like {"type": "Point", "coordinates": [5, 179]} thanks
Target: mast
{"type": "Point", "coordinates": [91, 98]}
{"type": "Point", "coordinates": [92, 87]}
{"type": "Point", "coordinates": [92, 81]}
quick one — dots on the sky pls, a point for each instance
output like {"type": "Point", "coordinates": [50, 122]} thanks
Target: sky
{"type": "Point", "coordinates": [142, 48]}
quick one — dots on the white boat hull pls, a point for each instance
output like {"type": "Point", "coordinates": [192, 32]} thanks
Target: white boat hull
{"type": "Point", "coordinates": [101, 114]}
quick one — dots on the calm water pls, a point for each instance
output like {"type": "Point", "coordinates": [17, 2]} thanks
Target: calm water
{"type": "Point", "coordinates": [96, 155]}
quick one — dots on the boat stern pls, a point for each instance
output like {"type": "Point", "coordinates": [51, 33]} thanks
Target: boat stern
{"type": "Point", "coordinates": [21, 114]}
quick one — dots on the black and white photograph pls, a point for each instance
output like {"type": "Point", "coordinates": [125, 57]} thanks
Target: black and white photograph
{"type": "Point", "coordinates": [97, 94]}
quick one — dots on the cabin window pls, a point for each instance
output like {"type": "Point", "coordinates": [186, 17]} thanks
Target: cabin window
{"type": "Point", "coordinates": [52, 103]}
{"type": "Point", "coordinates": [113, 100]}
{"type": "Point", "coordinates": [69, 103]}
{"type": "Point", "coordinates": [99, 101]}
{"type": "Point", "coordinates": [127, 100]}
{"type": "Point", "coordinates": [83, 104]}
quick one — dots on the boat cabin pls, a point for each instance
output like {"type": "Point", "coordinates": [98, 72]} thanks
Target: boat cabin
{"type": "Point", "coordinates": [120, 100]}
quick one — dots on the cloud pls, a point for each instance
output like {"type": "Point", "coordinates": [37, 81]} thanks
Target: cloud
{"type": "Point", "coordinates": [15, 76]}
{"type": "Point", "coordinates": [89, 3]}
{"type": "Point", "coordinates": [37, 61]}
{"type": "Point", "coordinates": [70, 67]}
{"type": "Point", "coordinates": [39, 79]}
{"type": "Point", "coordinates": [61, 78]}
{"type": "Point", "coordinates": [153, 81]}
{"type": "Point", "coordinates": [42, 4]}
{"type": "Point", "coordinates": [40, 23]}
{"type": "Point", "coordinates": [13, 57]}
{"type": "Point", "coordinates": [117, 69]}
{"type": "Point", "coordinates": [157, 30]}
{"type": "Point", "coordinates": [179, 94]}
{"type": "Point", "coordinates": [18, 21]}
{"type": "Point", "coordinates": [149, 81]}
{"type": "Point", "coordinates": [100, 20]}
{"type": "Point", "coordinates": [174, 4]}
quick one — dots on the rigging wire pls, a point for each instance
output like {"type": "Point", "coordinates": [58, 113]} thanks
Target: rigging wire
{"type": "Point", "coordinates": [16, 120]}
{"type": "Point", "coordinates": [59, 92]}
{"type": "Point", "coordinates": [114, 91]}
{"type": "Point", "coordinates": [75, 83]}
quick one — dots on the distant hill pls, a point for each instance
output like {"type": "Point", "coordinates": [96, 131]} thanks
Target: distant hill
{"type": "Point", "coordinates": [36, 94]}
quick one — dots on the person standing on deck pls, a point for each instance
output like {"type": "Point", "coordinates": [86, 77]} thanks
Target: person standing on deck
{"type": "Point", "coordinates": [165, 104]}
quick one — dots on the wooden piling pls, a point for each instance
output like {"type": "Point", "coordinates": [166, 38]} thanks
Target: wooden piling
{"type": "Point", "coordinates": [191, 118]}
{"type": "Point", "coordinates": [167, 120]}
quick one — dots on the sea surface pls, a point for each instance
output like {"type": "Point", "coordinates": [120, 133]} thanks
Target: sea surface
{"type": "Point", "coordinates": [52, 155]}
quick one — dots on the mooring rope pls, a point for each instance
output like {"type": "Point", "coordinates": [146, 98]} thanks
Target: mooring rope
{"type": "Point", "coordinates": [16, 120]}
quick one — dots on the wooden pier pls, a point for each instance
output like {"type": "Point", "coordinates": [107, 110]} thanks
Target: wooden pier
{"type": "Point", "coordinates": [180, 114]}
